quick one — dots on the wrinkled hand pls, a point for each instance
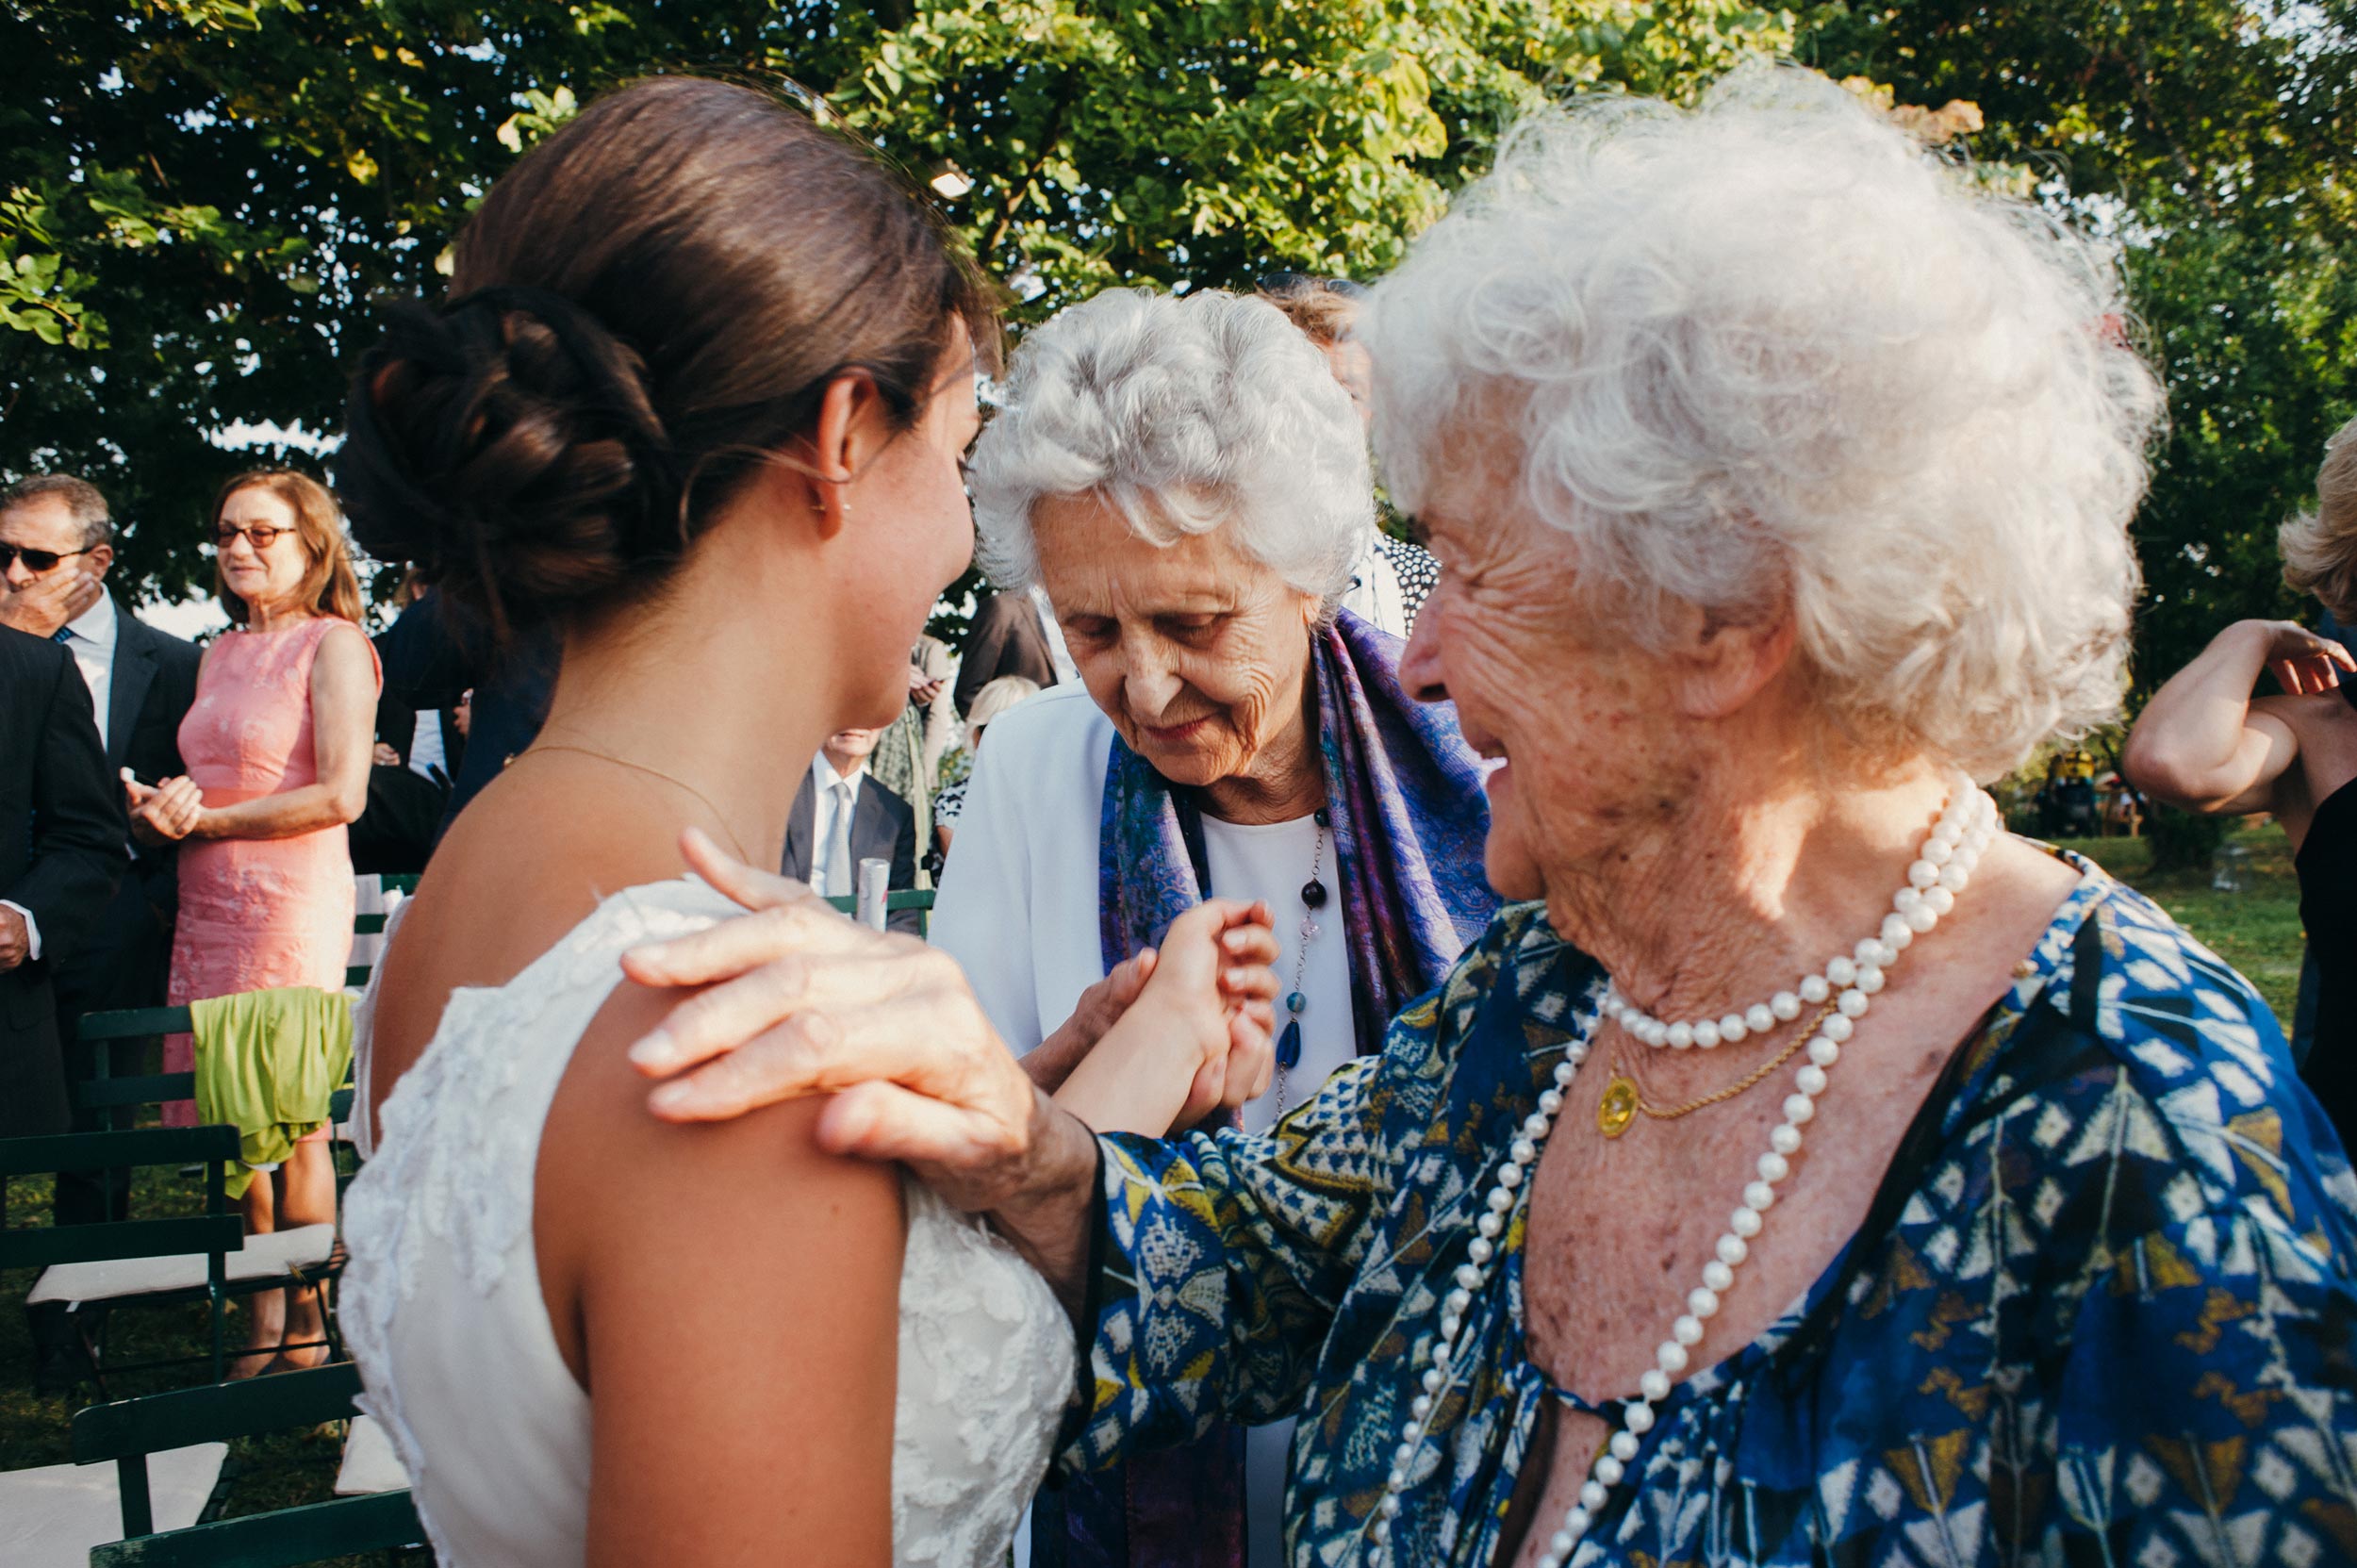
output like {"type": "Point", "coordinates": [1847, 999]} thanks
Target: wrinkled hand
{"type": "Point", "coordinates": [923, 689]}
{"type": "Point", "coordinates": [805, 1001]}
{"type": "Point", "coordinates": [52, 599]}
{"type": "Point", "coordinates": [2305, 663]}
{"type": "Point", "coordinates": [1197, 1038]}
{"type": "Point", "coordinates": [16, 941]}
{"type": "Point", "coordinates": [166, 813]}
{"type": "Point", "coordinates": [1247, 986]}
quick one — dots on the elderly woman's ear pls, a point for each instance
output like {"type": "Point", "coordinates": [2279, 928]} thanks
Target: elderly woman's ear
{"type": "Point", "coordinates": [1717, 666]}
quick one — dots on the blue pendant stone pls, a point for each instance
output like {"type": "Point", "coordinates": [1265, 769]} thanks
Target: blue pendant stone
{"type": "Point", "coordinates": [1296, 1003]}
{"type": "Point", "coordinates": [1289, 1046]}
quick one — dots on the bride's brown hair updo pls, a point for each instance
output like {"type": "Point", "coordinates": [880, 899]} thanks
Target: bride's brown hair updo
{"type": "Point", "coordinates": [649, 304]}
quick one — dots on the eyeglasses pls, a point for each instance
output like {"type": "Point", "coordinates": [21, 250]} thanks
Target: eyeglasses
{"type": "Point", "coordinates": [1286, 283]}
{"type": "Point", "coordinates": [260, 535]}
{"type": "Point", "coordinates": [36, 560]}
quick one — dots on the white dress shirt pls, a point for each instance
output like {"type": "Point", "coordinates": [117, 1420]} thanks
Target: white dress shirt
{"type": "Point", "coordinates": [426, 755]}
{"type": "Point", "coordinates": [91, 639]}
{"type": "Point", "coordinates": [823, 778]}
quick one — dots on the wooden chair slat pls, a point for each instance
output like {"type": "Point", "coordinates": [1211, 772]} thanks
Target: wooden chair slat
{"type": "Point", "coordinates": [132, 1023]}
{"type": "Point", "coordinates": [47, 1247]}
{"type": "Point", "coordinates": [214, 1413]}
{"type": "Point", "coordinates": [346, 1527]}
{"type": "Point", "coordinates": [146, 1146]}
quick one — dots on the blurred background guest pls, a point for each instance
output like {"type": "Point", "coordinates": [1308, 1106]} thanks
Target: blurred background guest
{"type": "Point", "coordinates": [278, 745]}
{"type": "Point", "coordinates": [907, 756]}
{"type": "Point", "coordinates": [57, 537]}
{"type": "Point", "coordinates": [989, 703]}
{"type": "Point", "coordinates": [842, 817]}
{"type": "Point", "coordinates": [2205, 743]}
{"type": "Point", "coordinates": [1191, 487]}
{"type": "Point", "coordinates": [61, 853]}
{"type": "Point", "coordinates": [933, 692]}
{"type": "Point", "coordinates": [1011, 635]}
{"type": "Point", "coordinates": [1390, 584]}
{"type": "Point", "coordinates": [438, 657]}
{"type": "Point", "coordinates": [417, 753]}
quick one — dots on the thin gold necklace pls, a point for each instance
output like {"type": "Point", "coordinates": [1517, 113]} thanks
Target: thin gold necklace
{"type": "Point", "coordinates": [718, 816]}
{"type": "Point", "coordinates": [1618, 1110]}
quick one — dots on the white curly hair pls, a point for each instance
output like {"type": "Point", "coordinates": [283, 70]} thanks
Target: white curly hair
{"type": "Point", "coordinates": [1770, 352]}
{"type": "Point", "coordinates": [1188, 415]}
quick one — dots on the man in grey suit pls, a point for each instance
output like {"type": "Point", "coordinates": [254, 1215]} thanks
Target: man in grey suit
{"type": "Point", "coordinates": [59, 540]}
{"type": "Point", "coordinates": [842, 817]}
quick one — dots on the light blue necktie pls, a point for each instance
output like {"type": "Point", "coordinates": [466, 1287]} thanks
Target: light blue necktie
{"type": "Point", "coordinates": [62, 635]}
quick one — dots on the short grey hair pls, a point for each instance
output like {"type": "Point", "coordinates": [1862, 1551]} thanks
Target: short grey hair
{"type": "Point", "coordinates": [82, 499]}
{"type": "Point", "coordinates": [1186, 415]}
{"type": "Point", "coordinates": [1770, 354]}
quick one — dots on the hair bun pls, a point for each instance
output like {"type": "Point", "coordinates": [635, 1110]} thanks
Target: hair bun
{"type": "Point", "coordinates": [506, 444]}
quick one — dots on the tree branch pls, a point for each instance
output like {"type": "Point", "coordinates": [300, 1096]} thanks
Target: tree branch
{"type": "Point", "coordinates": [1046, 150]}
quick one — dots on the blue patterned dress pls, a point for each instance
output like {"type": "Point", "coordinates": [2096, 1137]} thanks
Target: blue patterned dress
{"type": "Point", "coordinates": [2101, 1310]}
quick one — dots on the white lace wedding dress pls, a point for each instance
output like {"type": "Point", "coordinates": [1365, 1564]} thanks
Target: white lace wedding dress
{"type": "Point", "coordinates": [442, 1304]}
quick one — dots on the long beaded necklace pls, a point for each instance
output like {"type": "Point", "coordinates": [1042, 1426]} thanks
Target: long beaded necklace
{"type": "Point", "coordinates": [1296, 1003]}
{"type": "Point", "coordinates": [1966, 826]}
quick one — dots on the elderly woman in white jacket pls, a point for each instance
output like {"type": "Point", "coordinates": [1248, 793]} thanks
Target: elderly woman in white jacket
{"type": "Point", "coordinates": [1190, 484]}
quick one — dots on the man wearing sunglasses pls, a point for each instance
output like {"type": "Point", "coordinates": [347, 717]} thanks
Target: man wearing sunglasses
{"type": "Point", "coordinates": [56, 545]}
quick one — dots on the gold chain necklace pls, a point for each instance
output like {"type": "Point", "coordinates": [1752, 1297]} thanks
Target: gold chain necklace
{"type": "Point", "coordinates": [1618, 1110]}
{"type": "Point", "coordinates": [719, 817]}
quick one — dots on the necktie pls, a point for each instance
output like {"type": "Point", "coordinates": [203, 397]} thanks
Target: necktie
{"type": "Point", "coordinates": [62, 635]}
{"type": "Point", "coordinates": [839, 843]}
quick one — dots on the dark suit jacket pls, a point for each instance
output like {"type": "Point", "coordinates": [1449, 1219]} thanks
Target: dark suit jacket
{"type": "Point", "coordinates": [150, 692]}
{"type": "Point", "coordinates": [396, 829]}
{"type": "Point", "coordinates": [61, 853]}
{"type": "Point", "coordinates": [883, 828]}
{"type": "Point", "coordinates": [433, 653]}
{"type": "Point", "coordinates": [124, 960]}
{"type": "Point", "coordinates": [1007, 638]}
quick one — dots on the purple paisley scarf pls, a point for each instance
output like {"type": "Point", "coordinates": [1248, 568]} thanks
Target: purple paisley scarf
{"type": "Point", "coordinates": [1409, 816]}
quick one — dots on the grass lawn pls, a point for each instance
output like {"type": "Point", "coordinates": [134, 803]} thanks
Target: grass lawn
{"type": "Point", "coordinates": [2256, 929]}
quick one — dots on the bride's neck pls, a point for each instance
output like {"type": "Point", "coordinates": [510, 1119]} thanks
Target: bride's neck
{"type": "Point", "coordinates": [712, 689]}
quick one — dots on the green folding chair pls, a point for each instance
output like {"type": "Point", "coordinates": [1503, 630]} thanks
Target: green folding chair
{"type": "Point", "coordinates": [133, 1432]}
{"type": "Point", "coordinates": [101, 1266]}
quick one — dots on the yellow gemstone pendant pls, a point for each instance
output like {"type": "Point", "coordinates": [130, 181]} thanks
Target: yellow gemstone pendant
{"type": "Point", "coordinates": [1617, 1108]}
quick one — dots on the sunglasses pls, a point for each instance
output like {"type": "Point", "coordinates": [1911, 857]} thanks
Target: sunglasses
{"type": "Point", "coordinates": [260, 535]}
{"type": "Point", "coordinates": [36, 560]}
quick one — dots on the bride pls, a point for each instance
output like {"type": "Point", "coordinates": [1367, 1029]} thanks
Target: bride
{"type": "Point", "coordinates": [699, 399]}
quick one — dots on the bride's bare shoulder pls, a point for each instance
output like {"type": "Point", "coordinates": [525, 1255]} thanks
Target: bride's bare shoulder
{"type": "Point", "coordinates": [727, 1208]}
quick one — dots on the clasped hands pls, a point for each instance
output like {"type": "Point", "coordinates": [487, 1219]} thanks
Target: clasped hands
{"type": "Point", "coordinates": [165, 813]}
{"type": "Point", "coordinates": [800, 1001]}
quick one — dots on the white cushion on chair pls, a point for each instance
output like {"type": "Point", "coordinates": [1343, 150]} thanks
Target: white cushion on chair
{"type": "Point", "coordinates": [114, 1280]}
{"type": "Point", "coordinates": [51, 1517]}
{"type": "Point", "coordinates": [370, 1464]}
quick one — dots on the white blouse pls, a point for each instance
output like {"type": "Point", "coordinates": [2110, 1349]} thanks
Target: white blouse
{"type": "Point", "coordinates": [1018, 906]}
{"type": "Point", "coordinates": [1017, 909]}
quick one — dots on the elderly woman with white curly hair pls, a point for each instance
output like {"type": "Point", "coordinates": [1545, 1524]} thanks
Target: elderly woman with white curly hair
{"type": "Point", "coordinates": [1188, 485]}
{"type": "Point", "coordinates": [1807, 1171]}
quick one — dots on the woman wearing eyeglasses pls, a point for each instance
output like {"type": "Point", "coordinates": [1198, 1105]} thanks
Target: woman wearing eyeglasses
{"type": "Point", "coordinates": [277, 747]}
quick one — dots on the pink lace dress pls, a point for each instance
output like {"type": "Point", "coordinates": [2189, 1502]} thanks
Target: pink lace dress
{"type": "Point", "coordinates": [255, 913]}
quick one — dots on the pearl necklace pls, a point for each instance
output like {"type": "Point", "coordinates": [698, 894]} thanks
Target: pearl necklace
{"type": "Point", "coordinates": [1963, 834]}
{"type": "Point", "coordinates": [1937, 875]}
